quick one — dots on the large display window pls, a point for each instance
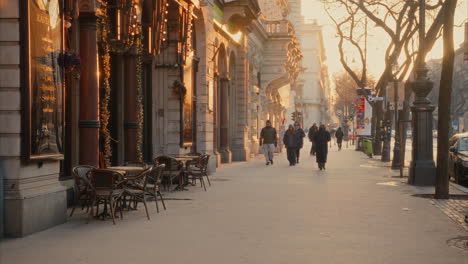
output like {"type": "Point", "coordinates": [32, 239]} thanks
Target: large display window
{"type": "Point", "coordinates": [42, 79]}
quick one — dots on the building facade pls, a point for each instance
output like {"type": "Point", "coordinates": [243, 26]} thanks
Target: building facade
{"type": "Point", "coordinates": [107, 82]}
{"type": "Point", "coordinates": [314, 93]}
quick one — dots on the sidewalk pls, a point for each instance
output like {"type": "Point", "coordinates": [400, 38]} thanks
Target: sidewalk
{"type": "Point", "coordinates": [350, 213]}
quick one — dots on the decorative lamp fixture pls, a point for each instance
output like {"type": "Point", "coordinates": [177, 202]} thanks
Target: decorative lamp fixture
{"type": "Point", "coordinates": [157, 34]}
{"type": "Point", "coordinates": [126, 21]}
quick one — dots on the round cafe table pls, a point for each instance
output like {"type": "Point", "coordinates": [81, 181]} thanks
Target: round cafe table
{"type": "Point", "coordinates": [126, 169]}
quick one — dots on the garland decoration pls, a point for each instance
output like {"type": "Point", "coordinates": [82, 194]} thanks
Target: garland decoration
{"type": "Point", "coordinates": [140, 108]}
{"type": "Point", "coordinates": [115, 42]}
{"type": "Point", "coordinates": [105, 75]}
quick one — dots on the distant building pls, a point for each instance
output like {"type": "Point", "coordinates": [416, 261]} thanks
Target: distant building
{"type": "Point", "coordinates": [313, 93]}
{"type": "Point", "coordinates": [459, 105]}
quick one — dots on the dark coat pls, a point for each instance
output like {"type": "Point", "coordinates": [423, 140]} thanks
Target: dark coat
{"type": "Point", "coordinates": [312, 131]}
{"type": "Point", "coordinates": [292, 140]}
{"type": "Point", "coordinates": [301, 135]}
{"type": "Point", "coordinates": [339, 135]}
{"type": "Point", "coordinates": [322, 137]}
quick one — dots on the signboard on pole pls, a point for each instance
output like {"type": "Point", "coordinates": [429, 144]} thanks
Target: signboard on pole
{"type": "Point", "coordinates": [363, 117]}
{"type": "Point", "coordinates": [455, 126]}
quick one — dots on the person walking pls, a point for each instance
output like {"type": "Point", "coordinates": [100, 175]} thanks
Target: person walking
{"type": "Point", "coordinates": [268, 141]}
{"type": "Point", "coordinates": [300, 133]}
{"type": "Point", "coordinates": [312, 131]}
{"type": "Point", "coordinates": [291, 141]}
{"type": "Point", "coordinates": [321, 138]}
{"type": "Point", "coordinates": [339, 137]}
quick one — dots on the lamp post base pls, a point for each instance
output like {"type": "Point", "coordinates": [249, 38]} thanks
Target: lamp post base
{"type": "Point", "coordinates": [422, 173]}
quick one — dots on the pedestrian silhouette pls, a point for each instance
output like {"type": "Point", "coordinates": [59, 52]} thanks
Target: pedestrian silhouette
{"type": "Point", "coordinates": [321, 138]}
{"type": "Point", "coordinates": [292, 141]}
{"type": "Point", "coordinates": [312, 131]}
{"type": "Point", "coordinates": [339, 137]}
{"type": "Point", "coordinates": [268, 141]}
{"type": "Point", "coordinates": [301, 135]}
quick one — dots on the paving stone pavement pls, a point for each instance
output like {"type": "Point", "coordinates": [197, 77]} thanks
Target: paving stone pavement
{"type": "Point", "coordinates": [350, 213]}
{"type": "Point", "coordinates": [455, 208]}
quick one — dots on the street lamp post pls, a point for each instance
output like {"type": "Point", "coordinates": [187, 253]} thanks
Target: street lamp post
{"type": "Point", "coordinates": [396, 146]}
{"type": "Point", "coordinates": [386, 130]}
{"type": "Point", "coordinates": [422, 168]}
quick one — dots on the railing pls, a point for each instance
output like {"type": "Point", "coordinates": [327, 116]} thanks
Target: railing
{"type": "Point", "coordinates": [278, 28]}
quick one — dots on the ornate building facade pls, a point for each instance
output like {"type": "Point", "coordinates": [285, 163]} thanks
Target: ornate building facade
{"type": "Point", "coordinates": [162, 77]}
{"type": "Point", "coordinates": [275, 57]}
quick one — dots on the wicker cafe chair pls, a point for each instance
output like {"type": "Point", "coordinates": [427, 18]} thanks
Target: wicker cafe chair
{"type": "Point", "coordinates": [83, 188]}
{"type": "Point", "coordinates": [108, 189]}
{"type": "Point", "coordinates": [136, 188]}
{"type": "Point", "coordinates": [194, 171]}
{"type": "Point", "coordinates": [204, 167]}
{"type": "Point", "coordinates": [154, 182]}
{"type": "Point", "coordinates": [173, 170]}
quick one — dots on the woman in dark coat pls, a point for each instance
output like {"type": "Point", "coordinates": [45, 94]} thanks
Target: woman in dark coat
{"type": "Point", "coordinates": [312, 131]}
{"type": "Point", "coordinates": [339, 137]}
{"type": "Point", "coordinates": [322, 137]}
{"type": "Point", "coordinates": [291, 141]}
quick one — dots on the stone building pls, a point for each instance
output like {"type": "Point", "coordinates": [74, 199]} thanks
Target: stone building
{"type": "Point", "coordinates": [107, 84]}
{"type": "Point", "coordinates": [313, 97]}
{"type": "Point", "coordinates": [275, 58]}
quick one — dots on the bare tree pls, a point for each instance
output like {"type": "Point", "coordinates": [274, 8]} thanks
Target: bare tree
{"type": "Point", "coordinates": [399, 21]}
{"type": "Point", "coordinates": [345, 88]}
{"type": "Point", "coordinates": [445, 95]}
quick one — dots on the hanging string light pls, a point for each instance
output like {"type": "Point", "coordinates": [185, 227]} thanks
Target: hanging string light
{"type": "Point", "coordinates": [159, 26]}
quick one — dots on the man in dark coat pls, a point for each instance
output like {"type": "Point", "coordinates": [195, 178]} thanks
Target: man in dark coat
{"type": "Point", "coordinates": [291, 141]}
{"type": "Point", "coordinates": [339, 137]}
{"type": "Point", "coordinates": [268, 141]}
{"type": "Point", "coordinates": [301, 135]}
{"type": "Point", "coordinates": [312, 131]}
{"type": "Point", "coordinates": [322, 137]}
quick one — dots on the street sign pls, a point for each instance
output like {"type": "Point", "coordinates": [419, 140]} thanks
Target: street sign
{"type": "Point", "coordinates": [372, 99]}
{"type": "Point", "coordinates": [455, 126]}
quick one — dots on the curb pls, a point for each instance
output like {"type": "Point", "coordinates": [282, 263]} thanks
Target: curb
{"type": "Point", "coordinates": [459, 187]}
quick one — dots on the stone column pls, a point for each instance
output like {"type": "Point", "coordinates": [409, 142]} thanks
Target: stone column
{"type": "Point", "coordinates": [131, 107]}
{"type": "Point", "coordinates": [89, 91]}
{"type": "Point", "coordinates": [226, 156]}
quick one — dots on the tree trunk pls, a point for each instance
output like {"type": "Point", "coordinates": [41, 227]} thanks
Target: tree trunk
{"type": "Point", "coordinates": [445, 95]}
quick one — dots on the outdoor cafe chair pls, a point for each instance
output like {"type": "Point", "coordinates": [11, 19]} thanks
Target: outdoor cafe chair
{"type": "Point", "coordinates": [154, 182]}
{"type": "Point", "coordinates": [108, 189]}
{"type": "Point", "coordinates": [173, 170]}
{"type": "Point", "coordinates": [83, 188]}
{"type": "Point", "coordinates": [202, 167]}
{"type": "Point", "coordinates": [136, 188]}
{"type": "Point", "coordinates": [194, 171]}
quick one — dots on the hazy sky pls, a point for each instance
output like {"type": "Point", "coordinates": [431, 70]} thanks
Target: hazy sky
{"type": "Point", "coordinates": [313, 9]}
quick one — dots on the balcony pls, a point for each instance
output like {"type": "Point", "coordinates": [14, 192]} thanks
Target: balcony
{"type": "Point", "coordinates": [280, 28]}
